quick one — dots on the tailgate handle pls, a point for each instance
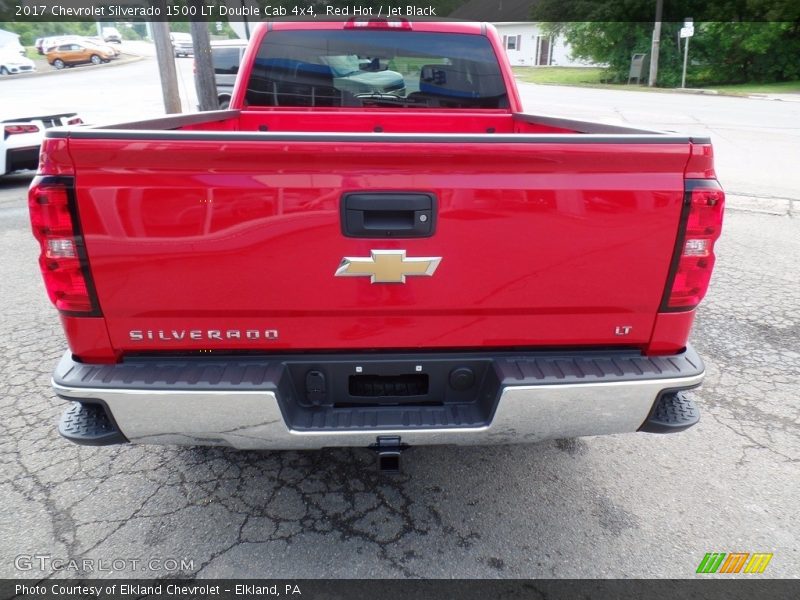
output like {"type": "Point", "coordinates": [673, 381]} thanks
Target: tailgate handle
{"type": "Point", "coordinates": [388, 215]}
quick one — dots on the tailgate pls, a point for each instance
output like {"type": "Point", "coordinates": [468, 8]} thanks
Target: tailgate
{"type": "Point", "coordinates": [206, 244]}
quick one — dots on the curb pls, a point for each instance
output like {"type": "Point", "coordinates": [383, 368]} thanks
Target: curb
{"type": "Point", "coordinates": [783, 97]}
{"type": "Point", "coordinates": [778, 96]}
{"type": "Point", "coordinates": [709, 92]}
{"type": "Point", "coordinates": [123, 59]}
{"type": "Point", "coordinates": [781, 207]}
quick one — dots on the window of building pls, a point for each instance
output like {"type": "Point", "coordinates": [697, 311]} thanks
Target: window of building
{"type": "Point", "coordinates": [512, 42]}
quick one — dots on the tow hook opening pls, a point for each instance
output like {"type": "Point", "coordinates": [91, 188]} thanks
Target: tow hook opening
{"type": "Point", "coordinates": [389, 450]}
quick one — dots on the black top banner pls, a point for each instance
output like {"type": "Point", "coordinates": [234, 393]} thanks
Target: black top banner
{"type": "Point", "coordinates": [471, 10]}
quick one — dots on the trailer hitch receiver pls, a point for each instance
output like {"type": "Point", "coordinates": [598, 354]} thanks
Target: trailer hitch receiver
{"type": "Point", "coordinates": [388, 450]}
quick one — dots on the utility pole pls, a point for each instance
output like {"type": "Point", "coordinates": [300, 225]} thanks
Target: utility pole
{"type": "Point", "coordinates": [166, 64]}
{"type": "Point", "coordinates": [204, 81]}
{"type": "Point", "coordinates": [654, 50]}
{"type": "Point", "coordinates": [246, 24]}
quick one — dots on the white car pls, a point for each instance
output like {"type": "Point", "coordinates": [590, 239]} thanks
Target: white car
{"type": "Point", "coordinates": [53, 41]}
{"type": "Point", "coordinates": [12, 63]}
{"type": "Point", "coordinates": [182, 44]}
{"type": "Point", "coordinates": [112, 34]}
{"type": "Point", "coordinates": [96, 41]}
{"type": "Point", "coordinates": [21, 138]}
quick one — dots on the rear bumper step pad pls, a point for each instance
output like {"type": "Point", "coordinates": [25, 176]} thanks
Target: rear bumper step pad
{"type": "Point", "coordinates": [672, 412]}
{"type": "Point", "coordinates": [273, 402]}
{"type": "Point", "coordinates": [89, 425]}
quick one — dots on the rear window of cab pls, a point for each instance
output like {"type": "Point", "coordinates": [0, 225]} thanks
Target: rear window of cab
{"type": "Point", "coordinates": [376, 68]}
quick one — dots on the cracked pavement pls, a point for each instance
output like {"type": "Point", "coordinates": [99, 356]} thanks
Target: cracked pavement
{"type": "Point", "coordinates": [634, 505]}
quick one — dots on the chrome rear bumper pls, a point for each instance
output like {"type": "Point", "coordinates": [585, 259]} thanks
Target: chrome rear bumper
{"type": "Point", "coordinates": [569, 405]}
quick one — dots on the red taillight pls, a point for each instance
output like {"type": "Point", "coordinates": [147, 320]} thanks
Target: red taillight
{"type": "Point", "coordinates": [16, 128]}
{"type": "Point", "coordinates": [357, 23]}
{"type": "Point", "coordinates": [692, 272]}
{"type": "Point", "coordinates": [62, 263]}
{"type": "Point", "coordinates": [75, 121]}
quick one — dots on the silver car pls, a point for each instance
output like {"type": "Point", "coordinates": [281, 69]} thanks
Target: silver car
{"type": "Point", "coordinates": [226, 56]}
{"type": "Point", "coordinates": [182, 44]}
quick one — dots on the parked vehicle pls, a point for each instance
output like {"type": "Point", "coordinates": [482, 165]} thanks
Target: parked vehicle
{"type": "Point", "coordinates": [38, 44]}
{"type": "Point", "coordinates": [96, 41]}
{"type": "Point", "coordinates": [75, 53]}
{"type": "Point", "coordinates": [226, 56]}
{"type": "Point", "coordinates": [182, 44]}
{"type": "Point", "coordinates": [12, 63]}
{"type": "Point", "coordinates": [22, 136]}
{"type": "Point", "coordinates": [315, 267]}
{"type": "Point", "coordinates": [12, 45]}
{"type": "Point", "coordinates": [111, 34]}
{"type": "Point", "coordinates": [51, 43]}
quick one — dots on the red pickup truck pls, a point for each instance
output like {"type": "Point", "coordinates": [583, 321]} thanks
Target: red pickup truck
{"type": "Point", "coordinates": [330, 264]}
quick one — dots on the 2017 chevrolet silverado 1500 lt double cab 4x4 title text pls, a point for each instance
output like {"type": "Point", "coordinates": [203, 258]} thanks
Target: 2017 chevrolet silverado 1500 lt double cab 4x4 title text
{"type": "Point", "coordinates": [316, 267]}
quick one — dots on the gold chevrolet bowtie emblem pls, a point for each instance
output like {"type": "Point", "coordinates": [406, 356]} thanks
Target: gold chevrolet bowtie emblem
{"type": "Point", "coordinates": [387, 266]}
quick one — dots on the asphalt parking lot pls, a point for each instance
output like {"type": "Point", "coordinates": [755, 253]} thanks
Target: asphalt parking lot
{"type": "Point", "coordinates": [633, 505]}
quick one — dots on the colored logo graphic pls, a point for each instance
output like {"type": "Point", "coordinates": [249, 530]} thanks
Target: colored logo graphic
{"type": "Point", "coordinates": [736, 562]}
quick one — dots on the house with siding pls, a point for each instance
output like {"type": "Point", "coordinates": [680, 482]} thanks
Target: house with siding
{"type": "Point", "coordinates": [526, 42]}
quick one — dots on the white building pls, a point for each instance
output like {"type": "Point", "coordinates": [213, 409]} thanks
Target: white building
{"type": "Point", "coordinates": [528, 45]}
{"type": "Point", "coordinates": [525, 41]}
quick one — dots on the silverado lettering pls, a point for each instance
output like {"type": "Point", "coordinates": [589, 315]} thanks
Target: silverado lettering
{"type": "Point", "coordinates": [443, 267]}
{"type": "Point", "coordinates": [138, 335]}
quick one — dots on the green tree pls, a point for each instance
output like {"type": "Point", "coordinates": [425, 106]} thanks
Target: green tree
{"type": "Point", "coordinates": [763, 45]}
{"type": "Point", "coordinates": [748, 52]}
{"type": "Point", "coordinates": [719, 52]}
{"type": "Point", "coordinates": [613, 43]}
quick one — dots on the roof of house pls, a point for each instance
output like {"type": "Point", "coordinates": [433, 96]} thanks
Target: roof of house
{"type": "Point", "coordinates": [496, 11]}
